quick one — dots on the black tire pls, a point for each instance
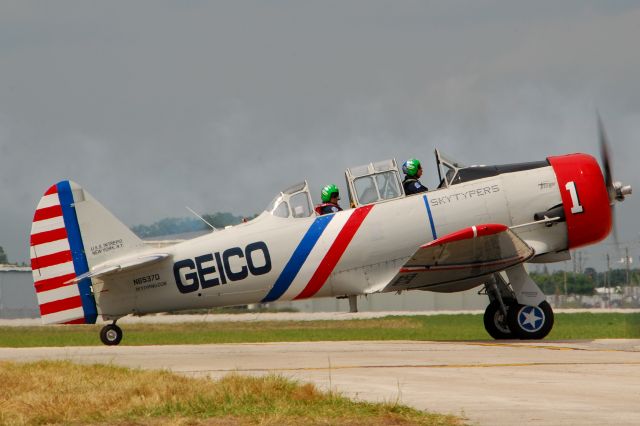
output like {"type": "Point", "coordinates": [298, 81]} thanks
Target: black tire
{"type": "Point", "coordinates": [530, 322]}
{"type": "Point", "coordinates": [111, 335]}
{"type": "Point", "coordinates": [495, 323]}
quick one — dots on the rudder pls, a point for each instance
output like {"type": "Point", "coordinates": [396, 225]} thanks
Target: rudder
{"type": "Point", "coordinates": [70, 233]}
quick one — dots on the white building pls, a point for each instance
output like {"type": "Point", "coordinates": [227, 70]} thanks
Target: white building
{"type": "Point", "coordinates": [17, 294]}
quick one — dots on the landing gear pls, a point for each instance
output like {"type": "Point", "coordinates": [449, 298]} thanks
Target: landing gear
{"type": "Point", "coordinates": [111, 334]}
{"type": "Point", "coordinates": [505, 318]}
{"type": "Point", "coordinates": [495, 322]}
{"type": "Point", "coordinates": [530, 322]}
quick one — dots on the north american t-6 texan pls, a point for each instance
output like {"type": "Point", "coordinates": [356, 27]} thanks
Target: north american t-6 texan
{"type": "Point", "coordinates": [477, 229]}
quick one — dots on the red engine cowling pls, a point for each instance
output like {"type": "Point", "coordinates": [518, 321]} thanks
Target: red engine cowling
{"type": "Point", "coordinates": [585, 198]}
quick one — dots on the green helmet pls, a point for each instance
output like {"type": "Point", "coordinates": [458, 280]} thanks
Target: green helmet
{"type": "Point", "coordinates": [411, 167]}
{"type": "Point", "coordinates": [328, 191]}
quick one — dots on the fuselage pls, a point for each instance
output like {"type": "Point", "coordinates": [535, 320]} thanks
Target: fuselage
{"type": "Point", "coordinates": [356, 251]}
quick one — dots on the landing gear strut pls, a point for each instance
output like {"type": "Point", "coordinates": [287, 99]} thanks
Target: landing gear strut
{"type": "Point", "coordinates": [496, 314]}
{"type": "Point", "coordinates": [111, 334]}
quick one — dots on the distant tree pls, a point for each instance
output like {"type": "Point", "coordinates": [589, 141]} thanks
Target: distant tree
{"type": "Point", "coordinates": [3, 256]}
{"type": "Point", "coordinates": [554, 283]}
{"type": "Point", "coordinates": [546, 282]}
{"type": "Point", "coordinates": [168, 226]}
{"type": "Point", "coordinates": [181, 225]}
{"type": "Point", "coordinates": [618, 277]}
{"type": "Point", "coordinates": [591, 273]}
{"type": "Point", "coordinates": [580, 284]}
{"type": "Point", "coordinates": [220, 220]}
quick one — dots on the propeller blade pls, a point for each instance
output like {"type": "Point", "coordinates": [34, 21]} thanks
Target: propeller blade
{"type": "Point", "coordinates": [606, 162]}
{"type": "Point", "coordinates": [614, 227]}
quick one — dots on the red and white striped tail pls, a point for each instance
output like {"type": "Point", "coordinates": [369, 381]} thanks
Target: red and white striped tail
{"type": "Point", "coordinates": [57, 256]}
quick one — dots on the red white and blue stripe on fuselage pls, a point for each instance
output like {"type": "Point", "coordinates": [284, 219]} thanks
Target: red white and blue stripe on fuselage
{"type": "Point", "coordinates": [317, 255]}
{"type": "Point", "coordinates": [57, 256]}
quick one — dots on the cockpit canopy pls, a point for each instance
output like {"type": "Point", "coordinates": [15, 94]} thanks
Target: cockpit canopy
{"type": "Point", "coordinates": [381, 181]}
{"type": "Point", "coordinates": [452, 172]}
{"type": "Point", "coordinates": [374, 182]}
{"type": "Point", "coordinates": [294, 201]}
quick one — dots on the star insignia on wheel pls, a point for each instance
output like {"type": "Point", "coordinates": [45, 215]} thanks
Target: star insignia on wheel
{"type": "Point", "coordinates": [529, 319]}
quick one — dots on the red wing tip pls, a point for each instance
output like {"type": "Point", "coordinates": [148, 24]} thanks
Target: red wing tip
{"type": "Point", "coordinates": [468, 233]}
{"type": "Point", "coordinates": [491, 228]}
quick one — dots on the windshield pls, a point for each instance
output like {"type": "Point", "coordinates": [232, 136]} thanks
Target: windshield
{"type": "Point", "coordinates": [447, 168]}
{"type": "Point", "coordinates": [374, 182]}
{"type": "Point", "coordinates": [294, 201]}
{"type": "Point", "coordinates": [377, 187]}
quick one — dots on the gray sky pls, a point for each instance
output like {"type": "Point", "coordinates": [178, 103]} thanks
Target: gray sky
{"type": "Point", "coordinates": [154, 105]}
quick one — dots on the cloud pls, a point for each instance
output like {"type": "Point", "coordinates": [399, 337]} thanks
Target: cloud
{"type": "Point", "coordinates": [154, 106]}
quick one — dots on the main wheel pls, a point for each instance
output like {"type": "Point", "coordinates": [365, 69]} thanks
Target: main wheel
{"type": "Point", "coordinates": [530, 322]}
{"type": "Point", "coordinates": [111, 334]}
{"type": "Point", "coordinates": [495, 322]}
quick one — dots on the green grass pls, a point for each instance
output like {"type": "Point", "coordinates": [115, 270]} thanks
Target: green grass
{"type": "Point", "coordinates": [439, 327]}
{"type": "Point", "coordinates": [60, 392]}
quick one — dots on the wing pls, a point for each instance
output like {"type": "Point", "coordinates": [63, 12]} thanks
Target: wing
{"type": "Point", "coordinates": [464, 257]}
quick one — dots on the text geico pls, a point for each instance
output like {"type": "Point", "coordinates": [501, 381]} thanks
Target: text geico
{"type": "Point", "coordinates": [213, 269]}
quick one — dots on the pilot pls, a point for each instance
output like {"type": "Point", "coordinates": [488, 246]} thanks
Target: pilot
{"type": "Point", "coordinates": [413, 170]}
{"type": "Point", "coordinates": [330, 197]}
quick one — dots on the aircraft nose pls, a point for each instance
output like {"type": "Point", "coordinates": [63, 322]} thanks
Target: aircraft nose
{"type": "Point", "coordinates": [585, 198]}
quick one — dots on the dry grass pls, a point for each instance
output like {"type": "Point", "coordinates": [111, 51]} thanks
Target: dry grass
{"type": "Point", "coordinates": [61, 392]}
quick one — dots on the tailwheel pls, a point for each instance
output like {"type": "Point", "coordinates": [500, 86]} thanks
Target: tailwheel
{"type": "Point", "coordinates": [111, 334]}
{"type": "Point", "coordinates": [530, 322]}
{"type": "Point", "coordinates": [495, 322]}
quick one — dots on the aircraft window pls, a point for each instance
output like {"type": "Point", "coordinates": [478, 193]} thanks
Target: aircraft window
{"type": "Point", "coordinates": [300, 206]}
{"type": "Point", "coordinates": [366, 190]}
{"type": "Point", "coordinates": [273, 203]}
{"type": "Point", "coordinates": [282, 210]}
{"type": "Point", "coordinates": [450, 174]}
{"type": "Point", "coordinates": [360, 170]}
{"type": "Point", "coordinates": [294, 201]}
{"type": "Point", "coordinates": [295, 188]}
{"type": "Point", "coordinates": [374, 182]}
{"type": "Point", "coordinates": [388, 185]}
{"type": "Point", "coordinates": [383, 166]}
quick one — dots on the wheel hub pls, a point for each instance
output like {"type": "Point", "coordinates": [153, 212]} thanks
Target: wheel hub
{"type": "Point", "coordinates": [500, 322]}
{"type": "Point", "coordinates": [531, 318]}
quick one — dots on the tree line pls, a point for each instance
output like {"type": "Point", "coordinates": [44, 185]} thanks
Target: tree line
{"type": "Point", "coordinates": [563, 282]}
{"type": "Point", "coordinates": [182, 225]}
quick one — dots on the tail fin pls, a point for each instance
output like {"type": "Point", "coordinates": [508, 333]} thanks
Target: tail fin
{"type": "Point", "coordinates": [70, 233]}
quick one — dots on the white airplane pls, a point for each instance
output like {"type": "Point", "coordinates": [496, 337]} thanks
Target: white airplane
{"type": "Point", "coordinates": [478, 228]}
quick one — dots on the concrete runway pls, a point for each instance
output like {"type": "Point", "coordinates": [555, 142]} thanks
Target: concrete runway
{"type": "Point", "coordinates": [542, 383]}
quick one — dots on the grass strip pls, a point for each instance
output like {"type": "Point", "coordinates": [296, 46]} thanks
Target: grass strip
{"type": "Point", "coordinates": [440, 327]}
{"type": "Point", "coordinates": [60, 392]}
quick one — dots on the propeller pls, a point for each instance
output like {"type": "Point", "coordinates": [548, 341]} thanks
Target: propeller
{"type": "Point", "coordinates": [616, 190]}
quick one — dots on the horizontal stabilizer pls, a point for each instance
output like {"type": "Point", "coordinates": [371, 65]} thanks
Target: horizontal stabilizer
{"type": "Point", "coordinates": [120, 265]}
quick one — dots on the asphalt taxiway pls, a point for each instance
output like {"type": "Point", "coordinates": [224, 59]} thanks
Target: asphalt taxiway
{"type": "Point", "coordinates": [551, 383]}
